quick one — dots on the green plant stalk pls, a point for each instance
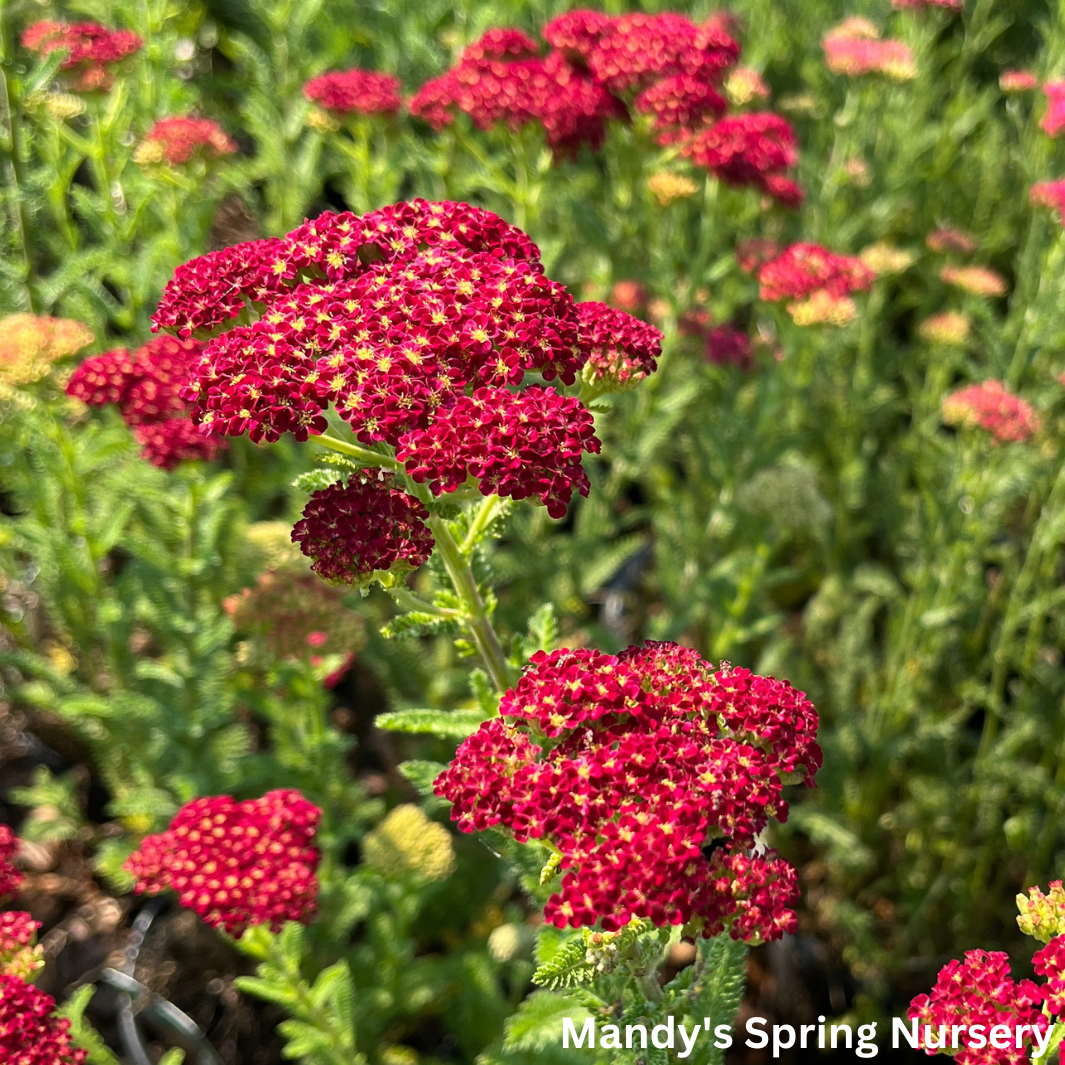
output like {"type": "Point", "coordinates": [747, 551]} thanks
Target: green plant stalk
{"type": "Point", "coordinates": [16, 182]}
{"type": "Point", "coordinates": [352, 451]}
{"type": "Point", "coordinates": [477, 620]}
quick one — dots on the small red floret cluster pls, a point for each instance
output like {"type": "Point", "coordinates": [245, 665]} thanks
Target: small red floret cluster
{"type": "Point", "coordinates": [652, 773]}
{"type": "Point", "coordinates": [10, 877]}
{"type": "Point", "coordinates": [146, 387]}
{"type": "Point", "coordinates": [991, 406]}
{"type": "Point", "coordinates": [365, 525]}
{"type": "Point", "coordinates": [618, 350]}
{"type": "Point", "coordinates": [178, 139]}
{"type": "Point", "coordinates": [236, 864]}
{"type": "Point", "coordinates": [417, 322]}
{"type": "Point", "coordinates": [30, 1033]}
{"type": "Point", "coordinates": [91, 49]}
{"type": "Point", "coordinates": [355, 92]}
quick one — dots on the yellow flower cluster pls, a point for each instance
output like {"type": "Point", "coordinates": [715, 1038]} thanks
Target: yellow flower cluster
{"type": "Point", "coordinates": [29, 344]}
{"type": "Point", "coordinates": [1042, 916]}
{"type": "Point", "coordinates": [406, 842]}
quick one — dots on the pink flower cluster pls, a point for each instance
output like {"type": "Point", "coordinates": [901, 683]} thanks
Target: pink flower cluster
{"type": "Point", "coordinates": [1049, 194]}
{"type": "Point", "coordinates": [178, 139]}
{"type": "Point", "coordinates": [19, 955]}
{"type": "Point", "coordinates": [146, 387]}
{"type": "Point", "coordinates": [427, 317]}
{"type": "Point", "coordinates": [90, 47]}
{"type": "Point", "coordinates": [950, 5]}
{"type": "Point", "coordinates": [352, 530]}
{"type": "Point", "coordinates": [978, 990]}
{"type": "Point", "coordinates": [236, 864]}
{"type": "Point", "coordinates": [1054, 120]}
{"type": "Point", "coordinates": [651, 773]}
{"type": "Point", "coordinates": [10, 877]}
{"type": "Point", "coordinates": [991, 406]}
{"type": "Point", "coordinates": [30, 1033]}
{"type": "Point", "coordinates": [854, 48]}
{"type": "Point", "coordinates": [818, 283]}
{"type": "Point", "coordinates": [619, 351]}
{"type": "Point", "coordinates": [358, 92]}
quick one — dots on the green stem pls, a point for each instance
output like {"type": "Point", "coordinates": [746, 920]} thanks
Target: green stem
{"type": "Point", "coordinates": [477, 621]}
{"type": "Point", "coordinates": [485, 513]}
{"type": "Point", "coordinates": [409, 601]}
{"type": "Point", "coordinates": [365, 455]}
{"type": "Point", "coordinates": [15, 185]}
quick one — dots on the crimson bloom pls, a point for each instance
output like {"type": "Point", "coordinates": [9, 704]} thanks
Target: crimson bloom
{"type": "Point", "coordinates": [236, 864]}
{"type": "Point", "coordinates": [359, 92]}
{"type": "Point", "coordinates": [176, 140]}
{"type": "Point", "coordinates": [801, 270]}
{"type": "Point", "coordinates": [1048, 194]}
{"type": "Point", "coordinates": [1054, 120]}
{"type": "Point", "coordinates": [619, 350]}
{"type": "Point", "coordinates": [991, 406]}
{"type": "Point", "coordinates": [10, 877]}
{"type": "Point", "coordinates": [651, 773]}
{"type": "Point", "coordinates": [90, 47]}
{"type": "Point", "coordinates": [30, 1032]}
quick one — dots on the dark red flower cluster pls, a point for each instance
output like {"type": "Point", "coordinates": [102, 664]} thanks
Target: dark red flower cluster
{"type": "Point", "coordinates": [521, 445]}
{"type": "Point", "coordinates": [652, 773]}
{"type": "Point", "coordinates": [1050, 962]}
{"type": "Point", "coordinates": [801, 270]}
{"type": "Point", "coordinates": [236, 863]}
{"type": "Point", "coordinates": [30, 1032]}
{"type": "Point", "coordinates": [355, 92]}
{"type": "Point", "coordinates": [728, 346]}
{"type": "Point", "coordinates": [355, 529]}
{"type": "Point", "coordinates": [619, 351]}
{"type": "Point", "coordinates": [146, 387]}
{"type": "Point", "coordinates": [978, 991]}
{"type": "Point", "coordinates": [90, 47]}
{"type": "Point", "coordinates": [681, 105]}
{"type": "Point", "coordinates": [751, 149]}
{"type": "Point", "coordinates": [176, 140]}
{"type": "Point", "coordinates": [10, 877]}
{"type": "Point", "coordinates": [500, 78]}
{"type": "Point", "coordinates": [19, 955]}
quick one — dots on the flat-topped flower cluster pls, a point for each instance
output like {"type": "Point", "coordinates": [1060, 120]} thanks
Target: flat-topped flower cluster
{"type": "Point", "coordinates": [418, 323]}
{"type": "Point", "coordinates": [651, 775]}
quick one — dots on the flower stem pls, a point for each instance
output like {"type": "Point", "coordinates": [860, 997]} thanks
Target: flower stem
{"type": "Point", "coordinates": [485, 513]}
{"type": "Point", "coordinates": [477, 621]}
{"type": "Point", "coordinates": [364, 454]}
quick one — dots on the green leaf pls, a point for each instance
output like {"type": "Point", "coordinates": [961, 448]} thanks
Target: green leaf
{"type": "Point", "coordinates": [566, 968]}
{"type": "Point", "coordinates": [82, 1033]}
{"type": "Point", "coordinates": [422, 773]}
{"type": "Point", "coordinates": [538, 1023]}
{"type": "Point", "coordinates": [445, 724]}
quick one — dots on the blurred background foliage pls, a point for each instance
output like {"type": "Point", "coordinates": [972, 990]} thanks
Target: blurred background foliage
{"type": "Point", "coordinates": [809, 517]}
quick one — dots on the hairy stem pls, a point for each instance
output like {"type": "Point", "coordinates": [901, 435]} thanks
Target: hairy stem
{"type": "Point", "coordinates": [352, 451]}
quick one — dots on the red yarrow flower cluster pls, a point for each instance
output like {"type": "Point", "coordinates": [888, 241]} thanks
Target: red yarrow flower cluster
{"type": "Point", "coordinates": [176, 140]}
{"type": "Point", "coordinates": [10, 877]}
{"type": "Point", "coordinates": [978, 990]}
{"type": "Point", "coordinates": [619, 350]}
{"type": "Point", "coordinates": [30, 1032]}
{"type": "Point", "coordinates": [146, 387]}
{"type": "Point", "coordinates": [854, 48]}
{"type": "Point", "coordinates": [1050, 962]}
{"type": "Point", "coordinates": [90, 47]}
{"type": "Point", "coordinates": [1048, 194]}
{"type": "Point", "coordinates": [523, 445]}
{"type": "Point", "coordinates": [19, 955]}
{"type": "Point", "coordinates": [651, 773]}
{"type": "Point", "coordinates": [729, 346]}
{"type": "Point", "coordinates": [355, 92]}
{"type": "Point", "coordinates": [950, 5]}
{"type": "Point", "coordinates": [1053, 121]}
{"type": "Point", "coordinates": [680, 106]}
{"type": "Point", "coordinates": [801, 270]}
{"type": "Point", "coordinates": [751, 149]}
{"type": "Point", "coordinates": [353, 530]}
{"type": "Point", "coordinates": [991, 406]}
{"type": "Point", "coordinates": [236, 864]}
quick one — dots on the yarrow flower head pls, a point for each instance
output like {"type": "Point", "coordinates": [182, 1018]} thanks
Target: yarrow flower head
{"type": "Point", "coordinates": [666, 187]}
{"type": "Point", "coordinates": [30, 1032]}
{"type": "Point", "coordinates": [990, 406]}
{"type": "Point", "coordinates": [651, 773]}
{"type": "Point", "coordinates": [884, 259]}
{"type": "Point", "coordinates": [680, 106]}
{"type": "Point", "coordinates": [949, 239]}
{"type": "Point", "coordinates": [979, 990]}
{"type": "Point", "coordinates": [10, 877]}
{"type": "Point", "coordinates": [751, 149]}
{"type": "Point", "coordinates": [1017, 81]}
{"type": "Point", "coordinates": [146, 386]}
{"type": "Point", "coordinates": [90, 47]}
{"type": "Point", "coordinates": [979, 280]}
{"type": "Point", "coordinates": [20, 954]}
{"type": "Point", "coordinates": [1042, 916]}
{"type": "Point", "coordinates": [236, 864]}
{"type": "Point", "coordinates": [950, 327]}
{"type": "Point", "coordinates": [854, 48]}
{"type": "Point", "coordinates": [407, 844]}
{"type": "Point", "coordinates": [1050, 962]}
{"type": "Point", "coordinates": [30, 344]}
{"type": "Point", "coordinates": [818, 283]}
{"type": "Point", "coordinates": [620, 350]}
{"type": "Point", "coordinates": [355, 92]}
{"type": "Point", "coordinates": [1049, 194]}
{"type": "Point", "coordinates": [744, 85]}
{"type": "Point", "coordinates": [727, 345]}
{"type": "Point", "coordinates": [363, 530]}
{"type": "Point", "coordinates": [1054, 120]}
{"type": "Point", "coordinates": [176, 140]}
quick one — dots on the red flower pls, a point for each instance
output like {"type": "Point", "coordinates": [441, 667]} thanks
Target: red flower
{"type": "Point", "coordinates": [681, 105]}
{"type": "Point", "coordinates": [729, 346]}
{"type": "Point", "coordinates": [802, 270]}
{"type": "Point", "coordinates": [1048, 194]}
{"type": "Point", "coordinates": [236, 863]}
{"type": "Point", "coordinates": [619, 350]}
{"type": "Point", "coordinates": [19, 955]}
{"type": "Point", "coordinates": [90, 48]}
{"type": "Point", "coordinates": [750, 149]}
{"type": "Point", "coordinates": [1050, 962]}
{"type": "Point", "coordinates": [353, 530]}
{"type": "Point", "coordinates": [174, 440]}
{"type": "Point", "coordinates": [360, 92]}
{"type": "Point", "coordinates": [631, 765]}
{"type": "Point", "coordinates": [978, 990]}
{"type": "Point", "coordinates": [10, 877]}
{"type": "Point", "coordinates": [30, 1033]}
{"type": "Point", "coordinates": [990, 406]}
{"type": "Point", "coordinates": [1054, 119]}
{"type": "Point", "coordinates": [178, 139]}
{"type": "Point", "coordinates": [520, 445]}
{"type": "Point", "coordinates": [576, 33]}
